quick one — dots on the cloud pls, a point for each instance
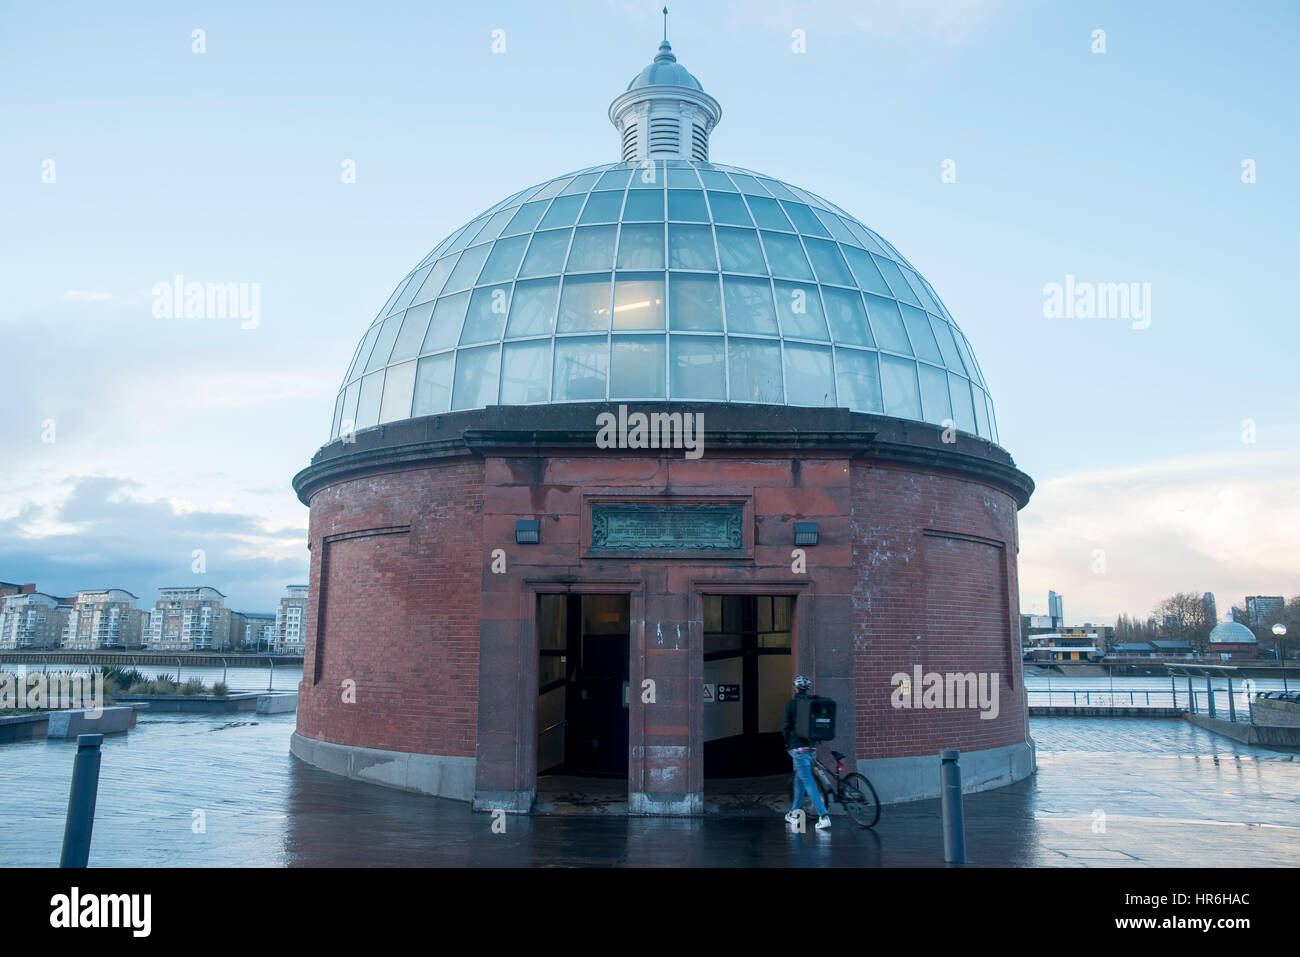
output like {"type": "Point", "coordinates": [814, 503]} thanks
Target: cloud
{"type": "Point", "coordinates": [102, 535]}
{"type": "Point", "coordinates": [1225, 524]}
{"type": "Point", "coordinates": [953, 21]}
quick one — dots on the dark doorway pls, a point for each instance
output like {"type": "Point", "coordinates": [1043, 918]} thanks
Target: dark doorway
{"type": "Point", "coordinates": [747, 660]}
{"type": "Point", "coordinates": [583, 669]}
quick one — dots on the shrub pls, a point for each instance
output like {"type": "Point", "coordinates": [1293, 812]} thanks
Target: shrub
{"type": "Point", "coordinates": [192, 686]}
{"type": "Point", "coordinates": [118, 680]}
{"type": "Point", "coordinates": [220, 689]}
{"type": "Point", "coordinates": [163, 684]}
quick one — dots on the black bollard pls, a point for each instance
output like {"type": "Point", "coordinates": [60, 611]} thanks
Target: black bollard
{"type": "Point", "coordinates": [81, 802]}
{"type": "Point", "coordinates": [954, 827]}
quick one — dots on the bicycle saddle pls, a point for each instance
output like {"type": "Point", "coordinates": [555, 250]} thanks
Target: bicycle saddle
{"type": "Point", "coordinates": [837, 756]}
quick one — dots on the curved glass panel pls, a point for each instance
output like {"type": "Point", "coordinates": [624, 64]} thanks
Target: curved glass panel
{"type": "Point", "coordinates": [739, 251]}
{"type": "Point", "coordinates": [717, 285]}
{"type": "Point", "coordinates": [749, 305]}
{"type": "Point", "coordinates": [809, 379]}
{"type": "Point", "coordinates": [580, 366]}
{"type": "Point", "coordinates": [526, 372]}
{"type": "Point", "coordinates": [638, 301]}
{"type": "Point", "coordinates": [584, 304]}
{"type": "Point", "coordinates": [533, 307]}
{"type": "Point", "coordinates": [697, 368]}
{"type": "Point", "coordinates": [858, 379]}
{"type": "Point", "coordinates": [641, 247]}
{"type": "Point", "coordinates": [691, 247]}
{"type": "Point", "coordinates": [695, 302]}
{"type": "Point", "coordinates": [636, 367]}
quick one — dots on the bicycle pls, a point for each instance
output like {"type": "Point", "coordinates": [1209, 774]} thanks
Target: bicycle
{"type": "Point", "coordinates": [852, 790]}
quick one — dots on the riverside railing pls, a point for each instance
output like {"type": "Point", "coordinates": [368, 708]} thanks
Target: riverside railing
{"type": "Point", "coordinates": [1232, 704]}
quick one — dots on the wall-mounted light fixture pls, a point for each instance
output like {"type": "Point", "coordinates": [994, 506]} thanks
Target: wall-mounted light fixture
{"type": "Point", "coordinates": [805, 533]}
{"type": "Point", "coordinates": [527, 531]}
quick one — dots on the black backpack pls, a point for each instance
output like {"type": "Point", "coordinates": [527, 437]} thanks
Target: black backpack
{"type": "Point", "coordinates": [814, 718]}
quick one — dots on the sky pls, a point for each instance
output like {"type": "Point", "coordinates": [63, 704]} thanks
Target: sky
{"type": "Point", "coordinates": [993, 143]}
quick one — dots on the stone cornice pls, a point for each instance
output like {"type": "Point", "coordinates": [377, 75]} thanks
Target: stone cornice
{"type": "Point", "coordinates": [731, 428]}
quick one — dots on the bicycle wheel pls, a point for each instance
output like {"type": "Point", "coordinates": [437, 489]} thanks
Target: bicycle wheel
{"type": "Point", "coordinates": [859, 800]}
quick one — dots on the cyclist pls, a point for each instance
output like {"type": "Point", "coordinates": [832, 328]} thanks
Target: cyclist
{"type": "Point", "coordinates": [802, 752]}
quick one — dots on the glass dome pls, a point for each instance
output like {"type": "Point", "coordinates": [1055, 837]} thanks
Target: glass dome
{"type": "Point", "coordinates": [1231, 631]}
{"type": "Point", "coordinates": [666, 279]}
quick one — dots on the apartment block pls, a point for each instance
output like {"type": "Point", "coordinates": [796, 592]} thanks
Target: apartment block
{"type": "Point", "coordinates": [1263, 610]}
{"type": "Point", "coordinates": [104, 618]}
{"type": "Point", "coordinates": [252, 631]}
{"type": "Point", "coordinates": [290, 638]}
{"type": "Point", "coordinates": [32, 620]}
{"type": "Point", "coordinates": [189, 618]}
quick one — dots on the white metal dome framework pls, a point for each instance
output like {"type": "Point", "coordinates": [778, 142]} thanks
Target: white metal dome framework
{"type": "Point", "coordinates": [664, 277]}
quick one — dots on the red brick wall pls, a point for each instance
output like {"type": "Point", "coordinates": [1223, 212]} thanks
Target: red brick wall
{"type": "Point", "coordinates": [780, 490]}
{"type": "Point", "coordinates": [937, 587]}
{"type": "Point", "coordinates": [416, 617]}
{"type": "Point", "coordinates": [401, 611]}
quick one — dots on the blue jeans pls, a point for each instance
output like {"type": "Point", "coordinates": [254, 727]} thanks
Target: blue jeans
{"type": "Point", "coordinates": [805, 783]}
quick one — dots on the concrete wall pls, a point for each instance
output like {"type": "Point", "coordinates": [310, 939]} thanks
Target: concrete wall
{"type": "Point", "coordinates": [916, 777]}
{"type": "Point", "coordinates": [23, 727]}
{"type": "Point", "coordinates": [277, 703]}
{"type": "Point", "coordinates": [1265, 736]}
{"type": "Point", "coordinates": [449, 776]}
{"type": "Point", "coordinates": [69, 724]}
{"type": "Point", "coordinates": [1276, 711]}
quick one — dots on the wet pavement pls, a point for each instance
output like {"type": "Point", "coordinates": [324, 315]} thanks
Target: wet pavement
{"type": "Point", "coordinates": [576, 794]}
{"type": "Point", "coordinates": [209, 791]}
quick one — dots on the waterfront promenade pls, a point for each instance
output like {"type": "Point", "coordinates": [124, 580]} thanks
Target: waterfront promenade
{"type": "Point", "coordinates": [1171, 795]}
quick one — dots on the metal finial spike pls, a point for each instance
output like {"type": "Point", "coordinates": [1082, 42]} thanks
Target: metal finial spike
{"type": "Point", "coordinates": [665, 24]}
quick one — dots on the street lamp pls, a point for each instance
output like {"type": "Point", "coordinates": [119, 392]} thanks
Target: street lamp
{"type": "Point", "coordinates": [1278, 631]}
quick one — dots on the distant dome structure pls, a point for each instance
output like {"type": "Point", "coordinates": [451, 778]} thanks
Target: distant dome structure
{"type": "Point", "coordinates": [660, 423]}
{"type": "Point", "coordinates": [1232, 632]}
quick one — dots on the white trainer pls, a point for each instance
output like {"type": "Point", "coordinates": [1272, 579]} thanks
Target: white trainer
{"type": "Point", "coordinates": [823, 822]}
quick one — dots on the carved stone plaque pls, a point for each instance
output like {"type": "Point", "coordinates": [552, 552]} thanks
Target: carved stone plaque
{"type": "Point", "coordinates": [668, 527]}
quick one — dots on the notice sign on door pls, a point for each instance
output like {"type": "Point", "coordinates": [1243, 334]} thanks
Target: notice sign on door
{"type": "Point", "coordinates": [728, 692]}
{"type": "Point", "coordinates": [710, 693]}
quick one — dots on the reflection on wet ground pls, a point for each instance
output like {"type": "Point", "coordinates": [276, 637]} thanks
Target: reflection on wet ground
{"type": "Point", "coordinates": [216, 791]}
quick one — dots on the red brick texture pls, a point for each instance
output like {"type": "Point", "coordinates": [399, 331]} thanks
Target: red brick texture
{"type": "Point", "coordinates": [401, 605]}
{"type": "Point", "coordinates": [935, 557]}
{"type": "Point", "coordinates": [915, 565]}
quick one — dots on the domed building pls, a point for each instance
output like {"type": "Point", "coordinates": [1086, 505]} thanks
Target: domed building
{"type": "Point", "coordinates": [628, 450]}
{"type": "Point", "coordinates": [1231, 639]}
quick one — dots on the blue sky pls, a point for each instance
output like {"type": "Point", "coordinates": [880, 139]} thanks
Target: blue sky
{"type": "Point", "coordinates": [175, 435]}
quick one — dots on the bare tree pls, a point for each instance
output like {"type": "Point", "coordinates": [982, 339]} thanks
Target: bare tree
{"type": "Point", "coordinates": [1185, 617]}
{"type": "Point", "coordinates": [1134, 629]}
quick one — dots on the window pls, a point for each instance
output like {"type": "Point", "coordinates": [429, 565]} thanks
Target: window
{"type": "Point", "coordinates": [695, 302]}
